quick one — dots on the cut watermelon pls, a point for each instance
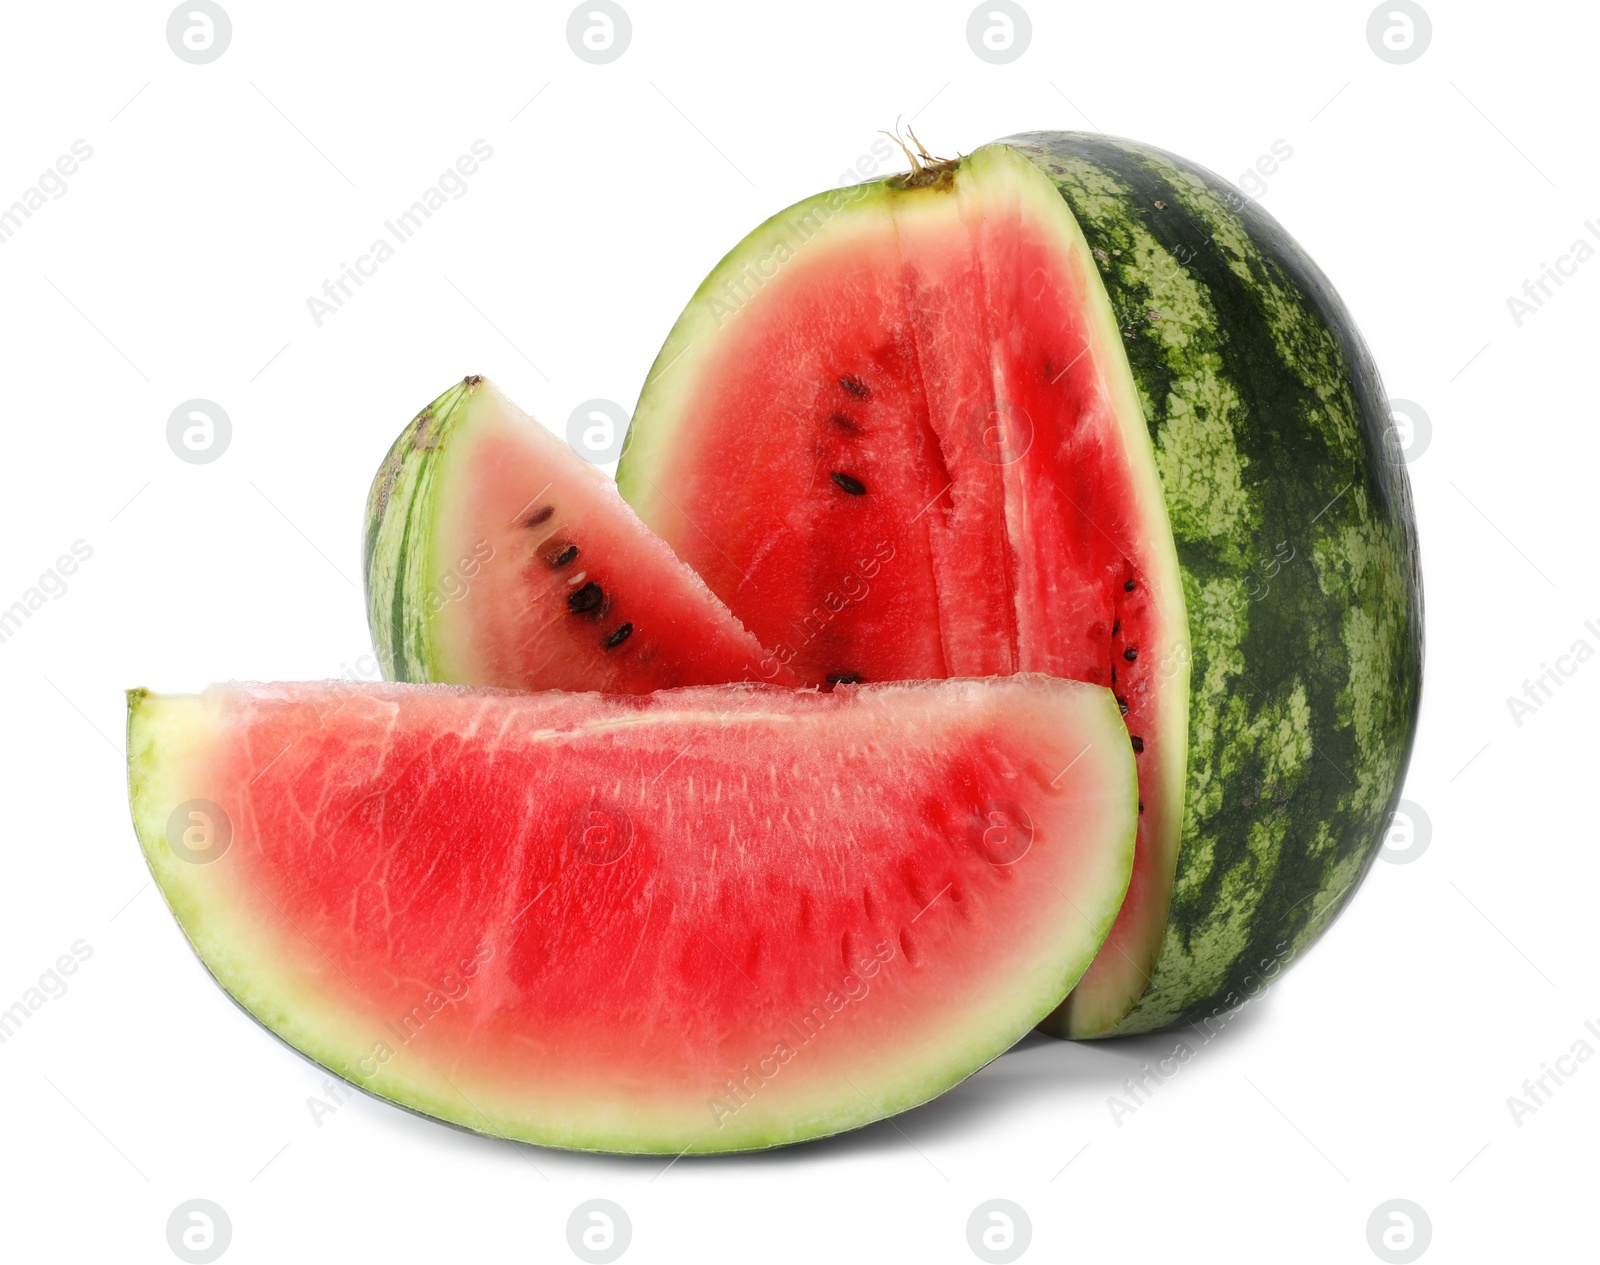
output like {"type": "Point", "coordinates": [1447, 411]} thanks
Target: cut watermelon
{"type": "Point", "coordinates": [496, 556]}
{"type": "Point", "coordinates": [710, 919]}
{"type": "Point", "coordinates": [943, 471]}
{"type": "Point", "coordinates": [1076, 406]}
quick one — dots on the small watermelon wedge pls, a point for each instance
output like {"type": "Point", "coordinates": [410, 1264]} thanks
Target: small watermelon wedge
{"type": "Point", "coordinates": [496, 556]}
{"type": "Point", "coordinates": [709, 919]}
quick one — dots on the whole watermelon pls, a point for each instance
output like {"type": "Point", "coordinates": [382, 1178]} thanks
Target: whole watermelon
{"type": "Point", "coordinates": [805, 442]}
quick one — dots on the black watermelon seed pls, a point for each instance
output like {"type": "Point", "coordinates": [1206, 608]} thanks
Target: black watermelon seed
{"type": "Point", "coordinates": [848, 484]}
{"type": "Point", "coordinates": [844, 678]}
{"type": "Point", "coordinates": [618, 637]}
{"type": "Point", "coordinates": [1138, 743]}
{"type": "Point", "coordinates": [856, 387]}
{"type": "Point", "coordinates": [1141, 805]}
{"type": "Point", "coordinates": [1122, 706]}
{"type": "Point", "coordinates": [845, 424]}
{"type": "Point", "coordinates": [1116, 627]}
{"type": "Point", "coordinates": [559, 554]}
{"type": "Point", "coordinates": [540, 516]}
{"type": "Point", "coordinates": [586, 599]}
{"type": "Point", "coordinates": [1128, 587]}
{"type": "Point", "coordinates": [1130, 654]}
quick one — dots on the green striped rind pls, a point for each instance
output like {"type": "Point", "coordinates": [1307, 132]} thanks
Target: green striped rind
{"type": "Point", "coordinates": [1272, 434]}
{"type": "Point", "coordinates": [396, 553]}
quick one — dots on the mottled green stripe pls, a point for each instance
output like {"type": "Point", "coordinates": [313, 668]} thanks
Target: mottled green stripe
{"type": "Point", "coordinates": [398, 525]}
{"type": "Point", "coordinates": [1269, 424]}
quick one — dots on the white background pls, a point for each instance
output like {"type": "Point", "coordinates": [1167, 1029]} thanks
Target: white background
{"type": "Point", "coordinates": [178, 264]}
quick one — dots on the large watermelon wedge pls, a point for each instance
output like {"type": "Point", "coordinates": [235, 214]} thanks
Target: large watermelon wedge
{"type": "Point", "coordinates": [709, 919]}
{"type": "Point", "coordinates": [1073, 405]}
{"type": "Point", "coordinates": [496, 556]}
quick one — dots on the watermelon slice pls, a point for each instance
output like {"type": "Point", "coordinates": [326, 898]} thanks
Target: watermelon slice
{"type": "Point", "coordinates": [1074, 405]}
{"type": "Point", "coordinates": [944, 471]}
{"type": "Point", "coordinates": [709, 919]}
{"type": "Point", "coordinates": [496, 556]}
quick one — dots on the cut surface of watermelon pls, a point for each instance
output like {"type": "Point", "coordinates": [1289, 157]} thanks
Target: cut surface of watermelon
{"type": "Point", "coordinates": [905, 416]}
{"type": "Point", "coordinates": [706, 919]}
{"type": "Point", "coordinates": [496, 556]}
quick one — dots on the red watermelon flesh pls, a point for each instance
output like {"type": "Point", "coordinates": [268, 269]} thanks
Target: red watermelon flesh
{"type": "Point", "coordinates": [896, 432]}
{"type": "Point", "coordinates": [704, 919]}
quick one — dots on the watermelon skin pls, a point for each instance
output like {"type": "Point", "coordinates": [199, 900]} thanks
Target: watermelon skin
{"type": "Point", "coordinates": [709, 919]}
{"type": "Point", "coordinates": [1272, 434]}
{"type": "Point", "coordinates": [394, 553]}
